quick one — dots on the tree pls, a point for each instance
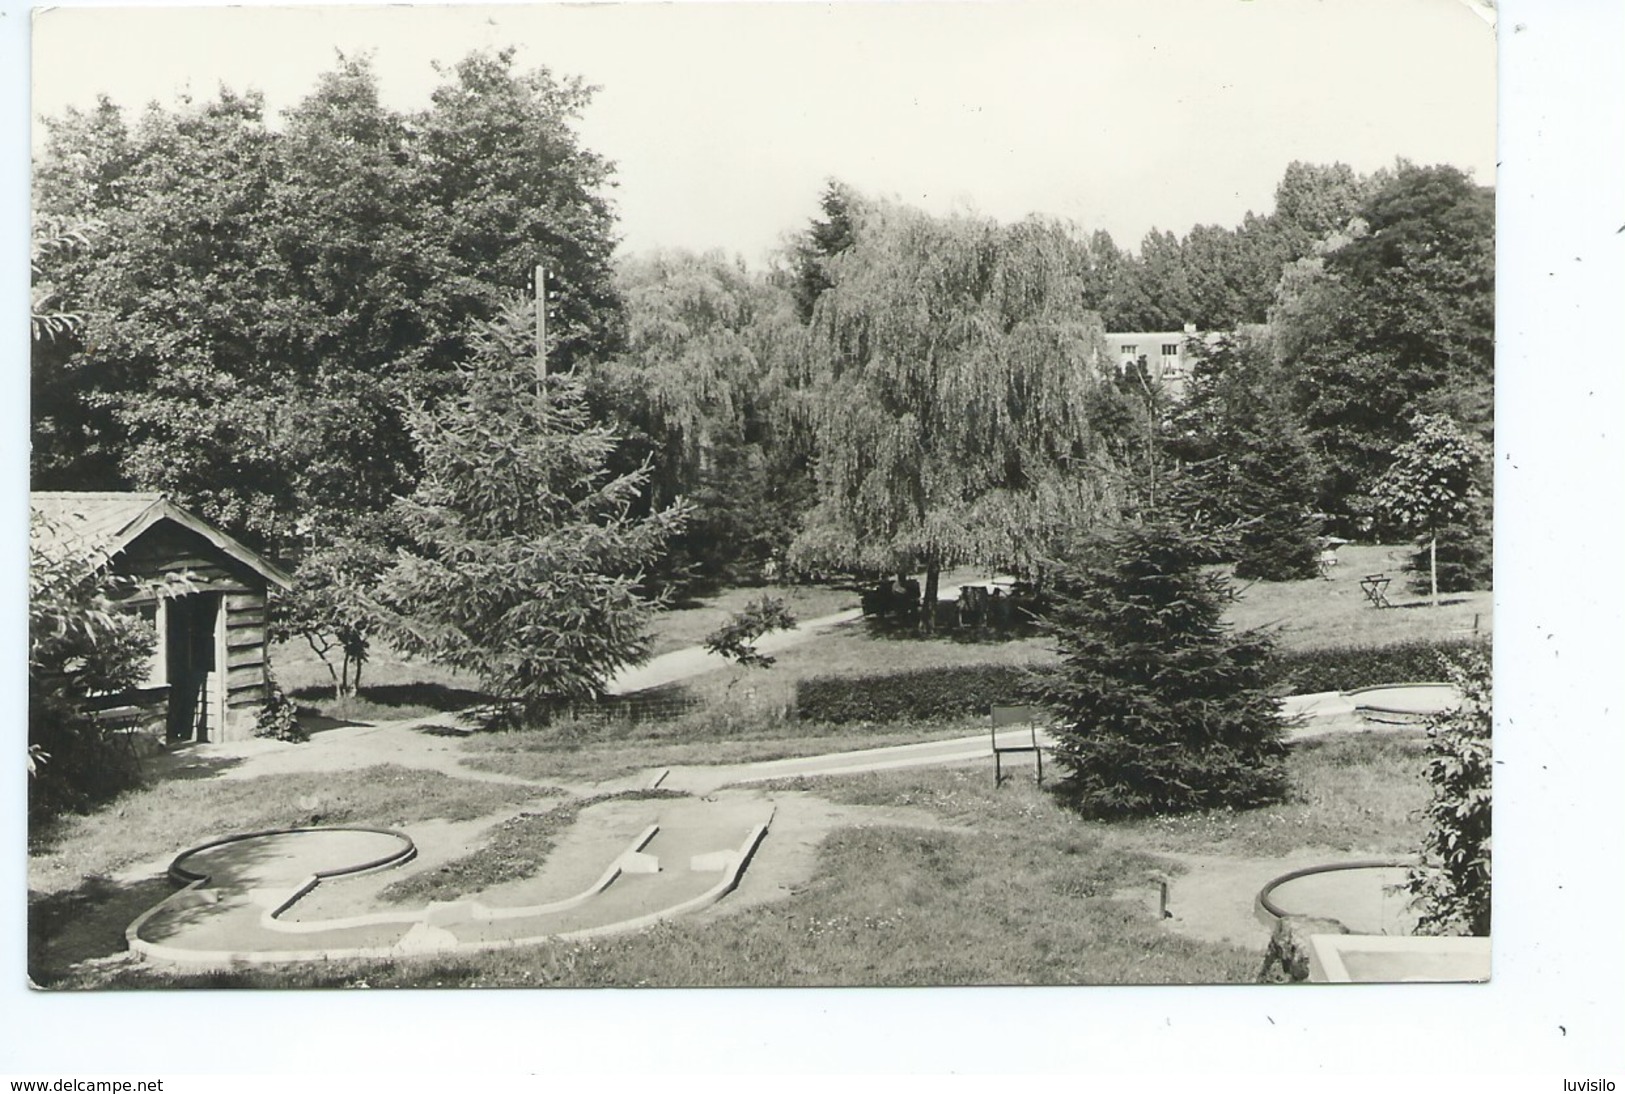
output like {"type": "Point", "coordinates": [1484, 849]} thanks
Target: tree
{"type": "Point", "coordinates": [1395, 317]}
{"type": "Point", "coordinates": [262, 305]}
{"type": "Point", "coordinates": [822, 241]}
{"type": "Point", "coordinates": [736, 639]}
{"type": "Point", "coordinates": [1160, 709]}
{"type": "Point", "coordinates": [951, 368]}
{"type": "Point", "coordinates": [1431, 485]}
{"type": "Point", "coordinates": [508, 186]}
{"type": "Point", "coordinates": [524, 560]}
{"type": "Point", "coordinates": [359, 314]}
{"type": "Point", "coordinates": [1313, 201]}
{"type": "Point", "coordinates": [331, 606]}
{"type": "Point", "coordinates": [1451, 884]}
{"type": "Point", "coordinates": [1248, 473]}
{"type": "Point", "coordinates": [47, 318]}
{"type": "Point", "coordinates": [1129, 414]}
{"type": "Point", "coordinates": [697, 392]}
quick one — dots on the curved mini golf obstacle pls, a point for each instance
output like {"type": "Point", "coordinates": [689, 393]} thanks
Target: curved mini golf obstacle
{"type": "Point", "coordinates": [1363, 897]}
{"type": "Point", "coordinates": [1360, 895]}
{"type": "Point", "coordinates": [1403, 704]}
{"type": "Point", "coordinates": [239, 904]}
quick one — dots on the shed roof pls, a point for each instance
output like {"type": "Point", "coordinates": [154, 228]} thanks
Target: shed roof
{"type": "Point", "coordinates": [107, 522]}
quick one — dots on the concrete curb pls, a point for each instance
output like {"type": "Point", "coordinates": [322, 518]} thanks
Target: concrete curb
{"type": "Point", "coordinates": [425, 938]}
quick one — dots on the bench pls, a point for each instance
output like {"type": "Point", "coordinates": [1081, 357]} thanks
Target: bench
{"type": "Point", "coordinates": [1008, 718]}
{"type": "Point", "coordinates": [1375, 587]}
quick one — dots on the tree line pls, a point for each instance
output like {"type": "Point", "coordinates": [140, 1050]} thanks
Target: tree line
{"type": "Point", "coordinates": [315, 335]}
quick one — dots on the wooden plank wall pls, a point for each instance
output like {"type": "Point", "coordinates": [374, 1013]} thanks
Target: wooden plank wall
{"type": "Point", "coordinates": [170, 549]}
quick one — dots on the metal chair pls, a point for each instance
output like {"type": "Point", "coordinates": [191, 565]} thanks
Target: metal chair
{"type": "Point", "coordinates": [1004, 717]}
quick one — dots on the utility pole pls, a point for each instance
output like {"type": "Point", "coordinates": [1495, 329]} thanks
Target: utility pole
{"type": "Point", "coordinates": [541, 324]}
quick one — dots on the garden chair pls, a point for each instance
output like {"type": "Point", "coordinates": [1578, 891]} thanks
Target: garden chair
{"type": "Point", "coordinates": [1009, 719]}
{"type": "Point", "coordinates": [1375, 587]}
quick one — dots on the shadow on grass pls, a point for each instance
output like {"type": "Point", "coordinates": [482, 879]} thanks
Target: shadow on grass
{"type": "Point", "coordinates": [440, 731]}
{"type": "Point", "coordinates": [313, 722]}
{"type": "Point", "coordinates": [903, 631]}
{"type": "Point", "coordinates": [83, 924]}
{"type": "Point", "coordinates": [1444, 602]}
{"type": "Point", "coordinates": [439, 697]}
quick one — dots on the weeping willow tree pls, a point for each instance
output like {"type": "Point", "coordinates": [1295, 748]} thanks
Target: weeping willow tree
{"type": "Point", "coordinates": [951, 363]}
{"type": "Point", "coordinates": [696, 394]}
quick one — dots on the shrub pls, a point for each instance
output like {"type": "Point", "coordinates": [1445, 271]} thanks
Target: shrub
{"type": "Point", "coordinates": [84, 645]}
{"type": "Point", "coordinates": [1451, 885]}
{"type": "Point", "coordinates": [736, 639]}
{"type": "Point", "coordinates": [919, 695]}
{"type": "Point", "coordinates": [1344, 668]}
{"type": "Point", "coordinates": [1160, 709]}
{"type": "Point", "coordinates": [279, 718]}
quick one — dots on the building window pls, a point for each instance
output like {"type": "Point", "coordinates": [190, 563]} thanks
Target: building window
{"type": "Point", "coordinates": [1130, 351]}
{"type": "Point", "coordinates": [1170, 349]}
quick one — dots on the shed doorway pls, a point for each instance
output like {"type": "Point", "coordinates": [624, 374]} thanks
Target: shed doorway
{"type": "Point", "coordinates": [191, 649]}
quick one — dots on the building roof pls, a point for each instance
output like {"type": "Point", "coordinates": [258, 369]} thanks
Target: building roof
{"type": "Point", "coordinates": [107, 522]}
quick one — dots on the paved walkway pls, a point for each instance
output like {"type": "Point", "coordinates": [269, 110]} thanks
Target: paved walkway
{"type": "Point", "coordinates": [693, 661]}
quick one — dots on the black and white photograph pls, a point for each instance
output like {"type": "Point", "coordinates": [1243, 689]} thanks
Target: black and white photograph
{"type": "Point", "coordinates": [766, 495]}
{"type": "Point", "coordinates": [761, 495]}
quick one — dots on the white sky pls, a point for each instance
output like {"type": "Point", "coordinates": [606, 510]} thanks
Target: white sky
{"type": "Point", "coordinates": [724, 119]}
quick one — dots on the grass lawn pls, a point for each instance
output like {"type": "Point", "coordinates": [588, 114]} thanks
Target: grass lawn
{"type": "Point", "coordinates": [78, 907]}
{"type": "Point", "coordinates": [515, 849]}
{"type": "Point", "coordinates": [1359, 793]}
{"type": "Point", "coordinates": [1304, 614]}
{"type": "Point", "coordinates": [1009, 887]}
{"type": "Point", "coordinates": [1318, 613]}
{"type": "Point", "coordinates": [1012, 888]}
{"type": "Point", "coordinates": [601, 752]}
{"type": "Point", "coordinates": [1026, 899]}
{"type": "Point", "coordinates": [852, 650]}
{"type": "Point", "coordinates": [392, 686]}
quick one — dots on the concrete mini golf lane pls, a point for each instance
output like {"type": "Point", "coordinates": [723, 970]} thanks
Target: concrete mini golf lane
{"type": "Point", "coordinates": [246, 897]}
{"type": "Point", "coordinates": [240, 903]}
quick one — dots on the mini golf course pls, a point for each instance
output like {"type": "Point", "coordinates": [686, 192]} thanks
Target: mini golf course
{"type": "Point", "coordinates": [241, 898]}
{"type": "Point", "coordinates": [249, 898]}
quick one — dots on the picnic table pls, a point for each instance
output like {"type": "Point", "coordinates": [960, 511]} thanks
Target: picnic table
{"type": "Point", "coordinates": [1375, 587]}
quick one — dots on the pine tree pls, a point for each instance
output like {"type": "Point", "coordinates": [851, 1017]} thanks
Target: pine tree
{"type": "Point", "coordinates": [1160, 709]}
{"type": "Point", "coordinates": [525, 559]}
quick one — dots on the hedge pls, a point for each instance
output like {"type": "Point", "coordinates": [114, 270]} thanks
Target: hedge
{"type": "Point", "coordinates": [1344, 668]}
{"type": "Point", "coordinates": [921, 695]}
{"type": "Point", "coordinates": [942, 694]}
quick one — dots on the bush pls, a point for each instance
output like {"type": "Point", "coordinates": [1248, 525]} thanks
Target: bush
{"type": "Point", "coordinates": [1160, 708]}
{"type": "Point", "coordinates": [1344, 668]}
{"type": "Point", "coordinates": [278, 719]}
{"type": "Point", "coordinates": [1451, 885]}
{"type": "Point", "coordinates": [919, 695]}
{"type": "Point", "coordinates": [84, 645]}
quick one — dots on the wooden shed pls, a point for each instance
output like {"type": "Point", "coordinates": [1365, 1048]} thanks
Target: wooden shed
{"type": "Point", "coordinates": [209, 673]}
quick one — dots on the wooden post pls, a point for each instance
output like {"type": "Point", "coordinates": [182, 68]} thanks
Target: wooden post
{"type": "Point", "coordinates": [1433, 566]}
{"type": "Point", "coordinates": [541, 324]}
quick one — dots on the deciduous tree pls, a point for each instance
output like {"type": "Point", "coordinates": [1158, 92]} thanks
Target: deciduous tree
{"type": "Point", "coordinates": [1432, 485]}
